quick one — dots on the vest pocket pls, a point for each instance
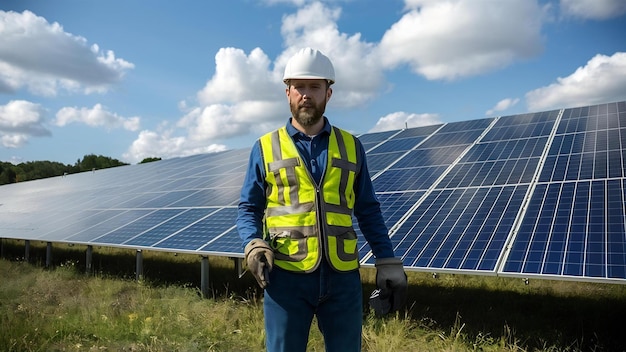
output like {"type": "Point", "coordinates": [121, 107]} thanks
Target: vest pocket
{"type": "Point", "coordinates": [289, 245]}
{"type": "Point", "coordinates": [343, 251]}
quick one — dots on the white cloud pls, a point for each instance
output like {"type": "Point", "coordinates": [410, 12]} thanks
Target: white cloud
{"type": "Point", "coordinates": [451, 39]}
{"type": "Point", "coordinates": [13, 140]}
{"type": "Point", "coordinates": [239, 77]}
{"type": "Point", "coordinates": [593, 9]}
{"type": "Point", "coordinates": [96, 117]}
{"type": "Point", "coordinates": [44, 58]}
{"type": "Point", "coordinates": [243, 96]}
{"type": "Point", "coordinates": [601, 80]}
{"type": "Point", "coordinates": [219, 121]}
{"type": "Point", "coordinates": [399, 120]}
{"type": "Point", "coordinates": [502, 105]}
{"type": "Point", "coordinates": [439, 39]}
{"type": "Point", "coordinates": [164, 145]}
{"type": "Point", "coordinates": [20, 120]}
{"type": "Point", "coordinates": [246, 95]}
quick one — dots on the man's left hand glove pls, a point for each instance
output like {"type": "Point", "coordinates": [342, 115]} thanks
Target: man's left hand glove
{"type": "Point", "coordinates": [392, 281]}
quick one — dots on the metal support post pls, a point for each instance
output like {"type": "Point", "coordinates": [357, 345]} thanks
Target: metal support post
{"type": "Point", "coordinates": [88, 259]}
{"type": "Point", "coordinates": [239, 269]}
{"type": "Point", "coordinates": [49, 255]}
{"type": "Point", "coordinates": [27, 251]}
{"type": "Point", "coordinates": [204, 276]}
{"type": "Point", "coordinates": [139, 274]}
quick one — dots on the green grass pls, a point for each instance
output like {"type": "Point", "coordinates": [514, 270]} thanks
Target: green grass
{"type": "Point", "coordinates": [65, 310]}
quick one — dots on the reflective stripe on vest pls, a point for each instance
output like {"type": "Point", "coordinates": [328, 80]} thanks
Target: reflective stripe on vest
{"type": "Point", "coordinates": [297, 231]}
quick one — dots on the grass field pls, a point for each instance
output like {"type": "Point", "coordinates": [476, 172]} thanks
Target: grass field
{"type": "Point", "coordinates": [63, 309]}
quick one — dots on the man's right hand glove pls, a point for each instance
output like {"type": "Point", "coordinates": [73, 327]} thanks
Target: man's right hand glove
{"type": "Point", "coordinates": [260, 260]}
{"type": "Point", "coordinates": [391, 281]}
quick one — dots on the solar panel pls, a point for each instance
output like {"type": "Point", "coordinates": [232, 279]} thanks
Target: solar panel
{"type": "Point", "coordinates": [474, 185]}
{"type": "Point", "coordinates": [531, 195]}
{"type": "Point", "coordinates": [393, 207]}
{"type": "Point", "coordinates": [197, 235]}
{"type": "Point", "coordinates": [134, 229]}
{"type": "Point", "coordinates": [224, 243]}
{"type": "Point", "coordinates": [459, 229]}
{"type": "Point", "coordinates": [163, 205]}
{"type": "Point", "coordinates": [171, 226]}
{"type": "Point", "coordinates": [574, 226]}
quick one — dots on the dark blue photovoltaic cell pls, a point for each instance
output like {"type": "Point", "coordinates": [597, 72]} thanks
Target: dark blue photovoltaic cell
{"type": "Point", "coordinates": [573, 229]}
{"type": "Point", "coordinates": [516, 148]}
{"type": "Point", "coordinates": [582, 156]}
{"type": "Point", "coordinates": [491, 173]}
{"type": "Point", "coordinates": [413, 179]}
{"type": "Point", "coordinates": [393, 206]}
{"type": "Point", "coordinates": [461, 229]}
{"type": "Point", "coordinates": [170, 227]}
{"type": "Point", "coordinates": [137, 227]}
{"type": "Point", "coordinates": [118, 219]}
{"type": "Point", "coordinates": [449, 139]}
{"type": "Point", "coordinates": [529, 118]}
{"type": "Point", "coordinates": [397, 145]}
{"type": "Point", "coordinates": [230, 242]}
{"type": "Point", "coordinates": [198, 234]}
{"type": "Point", "coordinates": [616, 229]}
{"type": "Point", "coordinates": [376, 137]}
{"type": "Point", "coordinates": [378, 162]}
{"type": "Point", "coordinates": [587, 118]}
{"type": "Point", "coordinates": [430, 157]}
{"type": "Point", "coordinates": [509, 132]}
{"type": "Point", "coordinates": [463, 126]}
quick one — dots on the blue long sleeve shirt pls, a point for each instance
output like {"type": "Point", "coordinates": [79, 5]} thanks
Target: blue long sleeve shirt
{"type": "Point", "coordinates": [314, 152]}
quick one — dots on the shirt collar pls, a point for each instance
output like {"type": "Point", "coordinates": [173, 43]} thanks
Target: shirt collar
{"type": "Point", "coordinates": [294, 131]}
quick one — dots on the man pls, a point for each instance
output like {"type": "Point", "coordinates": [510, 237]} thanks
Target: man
{"type": "Point", "coordinates": [303, 183]}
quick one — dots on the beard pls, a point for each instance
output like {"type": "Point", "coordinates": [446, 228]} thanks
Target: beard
{"type": "Point", "coordinates": [308, 116]}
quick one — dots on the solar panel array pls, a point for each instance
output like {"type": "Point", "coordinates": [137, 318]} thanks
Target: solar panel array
{"type": "Point", "coordinates": [538, 194]}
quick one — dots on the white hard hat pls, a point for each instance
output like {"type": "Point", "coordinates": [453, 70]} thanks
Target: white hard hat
{"type": "Point", "coordinates": [309, 64]}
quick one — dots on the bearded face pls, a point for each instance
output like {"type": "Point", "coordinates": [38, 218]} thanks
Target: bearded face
{"type": "Point", "coordinates": [308, 112]}
{"type": "Point", "coordinates": [307, 100]}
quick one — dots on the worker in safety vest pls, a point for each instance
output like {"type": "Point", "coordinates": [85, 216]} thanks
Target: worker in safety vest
{"type": "Point", "coordinates": [304, 181]}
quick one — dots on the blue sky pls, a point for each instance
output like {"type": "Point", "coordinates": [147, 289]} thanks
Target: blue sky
{"type": "Point", "coordinates": [136, 79]}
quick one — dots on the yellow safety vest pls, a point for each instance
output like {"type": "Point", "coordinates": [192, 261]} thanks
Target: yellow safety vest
{"type": "Point", "coordinates": [303, 219]}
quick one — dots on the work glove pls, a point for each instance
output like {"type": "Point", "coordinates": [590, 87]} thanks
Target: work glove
{"type": "Point", "coordinates": [259, 259]}
{"type": "Point", "coordinates": [391, 282]}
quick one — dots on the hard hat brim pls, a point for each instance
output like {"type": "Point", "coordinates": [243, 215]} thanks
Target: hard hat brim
{"type": "Point", "coordinates": [287, 79]}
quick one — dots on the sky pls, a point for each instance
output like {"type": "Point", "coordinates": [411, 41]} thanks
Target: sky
{"type": "Point", "coordinates": [133, 79]}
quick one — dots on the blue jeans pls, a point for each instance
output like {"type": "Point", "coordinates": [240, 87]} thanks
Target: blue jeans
{"type": "Point", "coordinates": [292, 299]}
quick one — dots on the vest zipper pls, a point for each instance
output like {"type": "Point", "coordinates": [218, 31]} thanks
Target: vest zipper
{"type": "Point", "coordinates": [320, 223]}
{"type": "Point", "coordinates": [319, 208]}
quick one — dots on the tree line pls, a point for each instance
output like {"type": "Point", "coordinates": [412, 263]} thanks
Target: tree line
{"type": "Point", "coordinates": [33, 170]}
